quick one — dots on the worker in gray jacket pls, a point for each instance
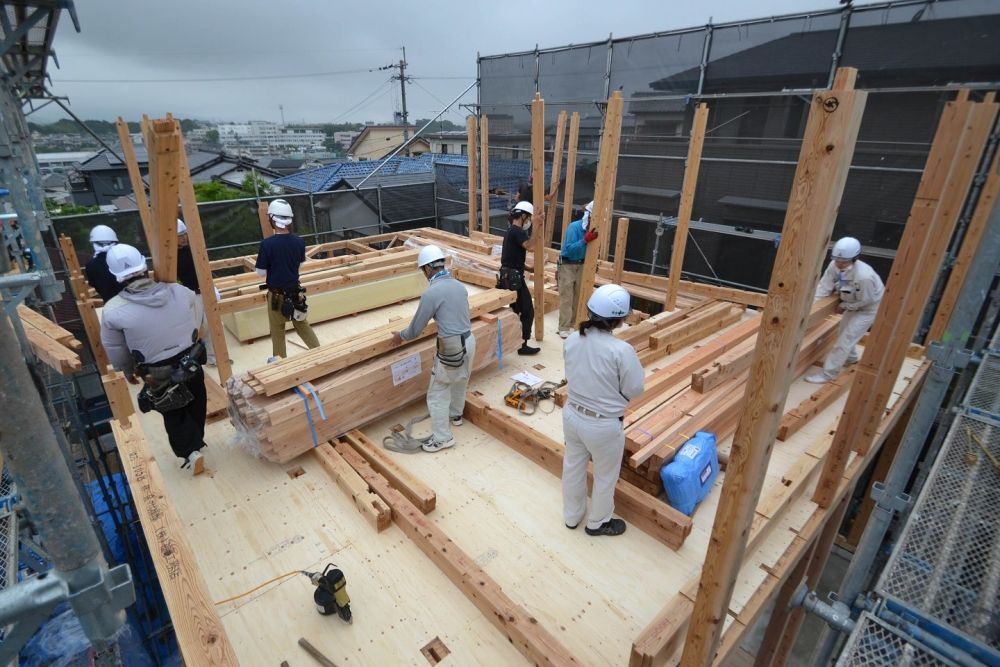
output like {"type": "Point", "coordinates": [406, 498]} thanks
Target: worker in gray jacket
{"type": "Point", "coordinates": [447, 301]}
{"type": "Point", "coordinates": [603, 374]}
{"type": "Point", "coordinates": [149, 330]}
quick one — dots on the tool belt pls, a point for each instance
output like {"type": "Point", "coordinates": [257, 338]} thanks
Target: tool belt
{"type": "Point", "coordinates": [510, 278]}
{"type": "Point", "coordinates": [451, 350]}
{"type": "Point", "coordinates": [165, 382]}
{"type": "Point", "coordinates": [289, 301]}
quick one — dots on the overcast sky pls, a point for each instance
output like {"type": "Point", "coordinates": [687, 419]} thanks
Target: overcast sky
{"type": "Point", "coordinates": [314, 56]}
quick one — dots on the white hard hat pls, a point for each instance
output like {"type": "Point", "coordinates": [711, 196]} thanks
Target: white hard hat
{"type": "Point", "coordinates": [589, 208]}
{"type": "Point", "coordinates": [181, 227]}
{"type": "Point", "coordinates": [281, 208]}
{"type": "Point", "coordinates": [103, 234]}
{"type": "Point", "coordinates": [523, 207]}
{"type": "Point", "coordinates": [429, 255]}
{"type": "Point", "coordinates": [124, 261]}
{"type": "Point", "coordinates": [847, 248]}
{"type": "Point", "coordinates": [609, 302]}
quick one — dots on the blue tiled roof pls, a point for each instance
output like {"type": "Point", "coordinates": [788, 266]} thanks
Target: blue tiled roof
{"type": "Point", "coordinates": [323, 178]}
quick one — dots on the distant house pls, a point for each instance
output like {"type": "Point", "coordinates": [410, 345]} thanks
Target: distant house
{"type": "Point", "coordinates": [455, 142]}
{"type": "Point", "coordinates": [377, 141]}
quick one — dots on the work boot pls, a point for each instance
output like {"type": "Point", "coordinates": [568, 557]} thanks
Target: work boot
{"type": "Point", "coordinates": [817, 378]}
{"type": "Point", "coordinates": [610, 527]}
{"type": "Point", "coordinates": [195, 463]}
{"type": "Point", "coordinates": [526, 349]}
{"type": "Point", "coordinates": [435, 445]}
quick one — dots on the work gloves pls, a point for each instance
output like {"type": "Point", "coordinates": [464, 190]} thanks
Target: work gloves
{"type": "Point", "coordinates": [589, 236]}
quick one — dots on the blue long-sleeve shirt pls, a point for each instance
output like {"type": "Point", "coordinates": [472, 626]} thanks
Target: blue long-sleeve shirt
{"type": "Point", "coordinates": [574, 248]}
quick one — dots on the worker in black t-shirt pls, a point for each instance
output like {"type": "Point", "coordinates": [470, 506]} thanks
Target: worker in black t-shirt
{"type": "Point", "coordinates": [102, 238]}
{"type": "Point", "coordinates": [515, 243]}
{"type": "Point", "coordinates": [278, 262]}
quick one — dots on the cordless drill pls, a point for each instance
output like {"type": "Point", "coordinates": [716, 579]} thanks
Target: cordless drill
{"type": "Point", "coordinates": [331, 592]}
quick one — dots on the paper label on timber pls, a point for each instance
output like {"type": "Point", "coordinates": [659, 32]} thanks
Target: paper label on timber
{"type": "Point", "coordinates": [405, 369]}
{"type": "Point", "coordinates": [496, 250]}
{"type": "Point", "coordinates": [527, 378]}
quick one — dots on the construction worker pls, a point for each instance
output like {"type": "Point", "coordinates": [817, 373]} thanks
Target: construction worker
{"type": "Point", "coordinates": [278, 263]}
{"type": "Point", "coordinates": [603, 374]}
{"type": "Point", "coordinates": [860, 290]}
{"type": "Point", "coordinates": [570, 267]}
{"type": "Point", "coordinates": [149, 330]}
{"type": "Point", "coordinates": [446, 301]}
{"type": "Point", "coordinates": [102, 238]}
{"type": "Point", "coordinates": [515, 244]}
{"type": "Point", "coordinates": [188, 276]}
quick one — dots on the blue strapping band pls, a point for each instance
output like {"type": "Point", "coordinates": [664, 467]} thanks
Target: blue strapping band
{"type": "Point", "coordinates": [319, 405]}
{"type": "Point", "coordinates": [312, 427]}
{"type": "Point", "coordinates": [499, 343]}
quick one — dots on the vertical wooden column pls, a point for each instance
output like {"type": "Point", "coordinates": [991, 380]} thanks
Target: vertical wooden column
{"type": "Point", "coordinates": [538, 222]}
{"type": "Point", "coordinates": [574, 137]}
{"type": "Point", "coordinates": [484, 171]}
{"type": "Point", "coordinates": [687, 204]}
{"type": "Point", "coordinates": [164, 186]}
{"type": "Point", "coordinates": [135, 178]}
{"type": "Point", "coordinates": [951, 163]}
{"type": "Point", "coordinates": [973, 235]}
{"type": "Point", "coordinates": [824, 159]}
{"type": "Point", "coordinates": [88, 313]}
{"type": "Point", "coordinates": [604, 194]}
{"type": "Point", "coordinates": [266, 230]}
{"type": "Point", "coordinates": [604, 241]}
{"type": "Point", "coordinates": [550, 199]}
{"type": "Point", "coordinates": [620, 244]}
{"type": "Point", "coordinates": [472, 154]}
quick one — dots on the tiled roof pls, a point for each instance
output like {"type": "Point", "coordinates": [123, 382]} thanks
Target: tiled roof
{"type": "Point", "coordinates": [324, 178]}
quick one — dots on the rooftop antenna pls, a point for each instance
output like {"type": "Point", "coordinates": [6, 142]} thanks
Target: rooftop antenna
{"type": "Point", "coordinates": [281, 108]}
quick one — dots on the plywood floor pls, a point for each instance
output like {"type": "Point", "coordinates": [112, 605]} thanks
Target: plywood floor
{"type": "Point", "coordinates": [249, 520]}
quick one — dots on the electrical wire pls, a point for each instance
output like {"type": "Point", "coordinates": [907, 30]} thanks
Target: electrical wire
{"type": "Point", "coordinates": [257, 588]}
{"type": "Point", "coordinates": [261, 77]}
{"type": "Point", "coordinates": [378, 89]}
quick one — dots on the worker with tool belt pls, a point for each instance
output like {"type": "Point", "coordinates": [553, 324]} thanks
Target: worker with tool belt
{"type": "Point", "coordinates": [570, 268]}
{"type": "Point", "coordinates": [102, 239]}
{"type": "Point", "coordinates": [860, 290]}
{"type": "Point", "coordinates": [515, 245]}
{"type": "Point", "coordinates": [603, 374]}
{"type": "Point", "coordinates": [149, 330]}
{"type": "Point", "coordinates": [188, 276]}
{"type": "Point", "coordinates": [278, 263]}
{"type": "Point", "coordinates": [447, 301]}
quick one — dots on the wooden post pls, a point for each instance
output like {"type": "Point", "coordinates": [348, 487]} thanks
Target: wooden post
{"type": "Point", "coordinates": [266, 230]}
{"type": "Point", "coordinates": [550, 199]}
{"type": "Point", "coordinates": [600, 218]}
{"type": "Point", "coordinates": [135, 178]}
{"type": "Point", "coordinates": [199, 251]}
{"type": "Point", "coordinates": [951, 164]}
{"type": "Point", "coordinates": [574, 137]}
{"type": "Point", "coordinates": [484, 170]}
{"type": "Point", "coordinates": [973, 235]}
{"type": "Point", "coordinates": [164, 171]}
{"type": "Point", "coordinates": [687, 204]}
{"type": "Point", "coordinates": [538, 220]}
{"type": "Point", "coordinates": [620, 244]}
{"type": "Point", "coordinates": [471, 154]}
{"type": "Point", "coordinates": [824, 160]}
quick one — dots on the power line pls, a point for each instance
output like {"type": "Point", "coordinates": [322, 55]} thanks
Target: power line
{"type": "Point", "coordinates": [218, 79]}
{"type": "Point", "coordinates": [385, 84]}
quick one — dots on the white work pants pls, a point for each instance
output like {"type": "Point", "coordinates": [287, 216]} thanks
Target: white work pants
{"type": "Point", "coordinates": [446, 394]}
{"type": "Point", "coordinates": [853, 325]}
{"type": "Point", "coordinates": [590, 438]}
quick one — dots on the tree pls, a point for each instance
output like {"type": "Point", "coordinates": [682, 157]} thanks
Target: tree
{"type": "Point", "coordinates": [212, 136]}
{"type": "Point", "coordinates": [249, 182]}
{"type": "Point", "coordinates": [215, 191]}
{"type": "Point", "coordinates": [56, 209]}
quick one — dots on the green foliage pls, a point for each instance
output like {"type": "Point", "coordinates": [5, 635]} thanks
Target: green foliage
{"type": "Point", "coordinates": [329, 128]}
{"type": "Point", "coordinates": [247, 186]}
{"type": "Point", "coordinates": [439, 125]}
{"type": "Point", "coordinates": [212, 136]}
{"type": "Point", "coordinates": [99, 127]}
{"type": "Point", "coordinates": [55, 209]}
{"type": "Point", "coordinates": [216, 191]}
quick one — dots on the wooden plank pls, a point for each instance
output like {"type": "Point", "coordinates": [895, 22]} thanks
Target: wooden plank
{"type": "Point", "coordinates": [371, 506]}
{"type": "Point", "coordinates": [524, 631]}
{"type": "Point", "coordinates": [92, 325]}
{"type": "Point", "coordinates": [119, 397]}
{"type": "Point", "coordinates": [135, 178]}
{"type": "Point", "coordinates": [52, 353]}
{"type": "Point", "coordinates": [574, 137]}
{"type": "Point", "coordinates": [400, 478]}
{"type": "Point", "coordinates": [48, 327]}
{"type": "Point", "coordinates": [827, 148]}
{"type": "Point", "coordinates": [600, 218]}
{"type": "Point", "coordinates": [471, 130]}
{"type": "Point", "coordinates": [266, 230]}
{"type": "Point", "coordinates": [201, 636]}
{"type": "Point", "coordinates": [951, 163]}
{"type": "Point", "coordinates": [164, 189]}
{"type": "Point", "coordinates": [538, 221]}
{"type": "Point", "coordinates": [550, 198]}
{"type": "Point", "coordinates": [702, 320]}
{"type": "Point", "coordinates": [484, 151]}
{"type": "Point", "coordinates": [687, 203]}
{"type": "Point", "coordinates": [620, 243]}
{"type": "Point", "coordinates": [704, 329]}
{"type": "Point", "coordinates": [819, 400]}
{"type": "Point", "coordinates": [218, 402]}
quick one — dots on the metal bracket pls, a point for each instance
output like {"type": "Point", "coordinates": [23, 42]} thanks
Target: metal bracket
{"type": "Point", "coordinates": [898, 503]}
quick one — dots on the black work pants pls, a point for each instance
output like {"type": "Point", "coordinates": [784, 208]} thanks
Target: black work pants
{"type": "Point", "coordinates": [524, 307]}
{"type": "Point", "coordinates": [186, 427]}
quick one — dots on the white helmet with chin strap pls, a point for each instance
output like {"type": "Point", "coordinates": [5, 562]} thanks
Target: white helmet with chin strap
{"type": "Point", "coordinates": [280, 213]}
{"type": "Point", "coordinates": [124, 261]}
{"type": "Point", "coordinates": [523, 207]}
{"type": "Point", "coordinates": [430, 254]}
{"type": "Point", "coordinates": [102, 237]}
{"type": "Point", "coordinates": [846, 249]}
{"type": "Point", "coordinates": [609, 302]}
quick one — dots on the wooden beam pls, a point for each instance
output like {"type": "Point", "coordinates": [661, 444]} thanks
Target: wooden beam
{"type": "Point", "coordinates": [164, 188]}
{"type": "Point", "coordinates": [825, 157]}
{"type": "Point", "coordinates": [484, 151]}
{"type": "Point", "coordinates": [600, 218]}
{"type": "Point", "coordinates": [48, 327]}
{"type": "Point", "coordinates": [620, 244]}
{"type": "Point", "coordinates": [266, 230]}
{"type": "Point", "coordinates": [119, 397]}
{"type": "Point", "coordinates": [400, 478]}
{"type": "Point", "coordinates": [687, 203]}
{"type": "Point", "coordinates": [473, 155]}
{"type": "Point", "coordinates": [819, 400]}
{"type": "Point", "coordinates": [199, 252]}
{"type": "Point", "coordinates": [371, 506]}
{"type": "Point", "coordinates": [201, 637]}
{"type": "Point", "coordinates": [135, 178]}
{"type": "Point", "coordinates": [92, 325]}
{"type": "Point", "coordinates": [574, 137]}
{"type": "Point", "coordinates": [552, 196]}
{"type": "Point", "coordinates": [524, 631]}
{"type": "Point", "coordinates": [52, 353]}
{"type": "Point", "coordinates": [538, 222]}
{"type": "Point", "coordinates": [951, 163]}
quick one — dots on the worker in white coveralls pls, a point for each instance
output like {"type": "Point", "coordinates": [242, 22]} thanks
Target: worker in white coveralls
{"type": "Point", "coordinates": [603, 374]}
{"type": "Point", "coordinates": [447, 301]}
{"type": "Point", "coordinates": [860, 290]}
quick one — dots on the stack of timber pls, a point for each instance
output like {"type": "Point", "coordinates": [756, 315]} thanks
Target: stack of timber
{"type": "Point", "coordinates": [280, 427]}
{"type": "Point", "coordinates": [52, 344]}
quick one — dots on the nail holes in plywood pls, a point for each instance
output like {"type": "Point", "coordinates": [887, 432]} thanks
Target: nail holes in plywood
{"type": "Point", "coordinates": [297, 471]}
{"type": "Point", "coordinates": [435, 651]}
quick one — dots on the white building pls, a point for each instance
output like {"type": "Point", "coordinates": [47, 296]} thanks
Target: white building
{"type": "Point", "coordinates": [345, 139]}
{"type": "Point", "coordinates": [265, 138]}
{"type": "Point", "coordinates": [60, 163]}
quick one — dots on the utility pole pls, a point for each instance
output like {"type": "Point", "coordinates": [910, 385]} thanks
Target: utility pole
{"type": "Point", "coordinates": [281, 108]}
{"type": "Point", "coordinates": [401, 77]}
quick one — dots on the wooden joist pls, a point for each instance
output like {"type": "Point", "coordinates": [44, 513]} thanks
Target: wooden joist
{"type": "Point", "coordinates": [818, 401]}
{"type": "Point", "coordinates": [47, 327]}
{"type": "Point", "coordinates": [400, 478]}
{"type": "Point", "coordinates": [371, 506]}
{"type": "Point", "coordinates": [694, 327]}
{"type": "Point", "coordinates": [51, 352]}
{"type": "Point", "coordinates": [524, 631]}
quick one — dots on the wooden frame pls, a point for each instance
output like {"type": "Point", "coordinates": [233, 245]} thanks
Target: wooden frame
{"type": "Point", "coordinates": [484, 171]}
{"type": "Point", "coordinates": [471, 127]}
{"type": "Point", "coordinates": [538, 222]}
{"type": "Point", "coordinates": [552, 196]}
{"type": "Point", "coordinates": [574, 137]}
{"type": "Point", "coordinates": [687, 203]}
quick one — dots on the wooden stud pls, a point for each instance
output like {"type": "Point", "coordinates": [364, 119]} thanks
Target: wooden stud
{"type": "Point", "coordinates": [620, 243]}
{"type": "Point", "coordinates": [92, 325]}
{"type": "Point", "coordinates": [600, 218]}
{"type": "Point", "coordinates": [552, 196]}
{"type": "Point", "coordinates": [538, 221]}
{"type": "Point", "coordinates": [135, 177]}
{"type": "Point", "coordinates": [687, 203]}
{"type": "Point", "coordinates": [119, 397]}
{"type": "Point", "coordinates": [484, 170]}
{"type": "Point", "coordinates": [574, 137]}
{"type": "Point", "coordinates": [371, 506]}
{"type": "Point", "coordinates": [164, 188]}
{"type": "Point", "coordinates": [471, 126]}
{"type": "Point", "coordinates": [400, 478]}
{"type": "Point", "coordinates": [266, 230]}
{"type": "Point", "coordinates": [827, 148]}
